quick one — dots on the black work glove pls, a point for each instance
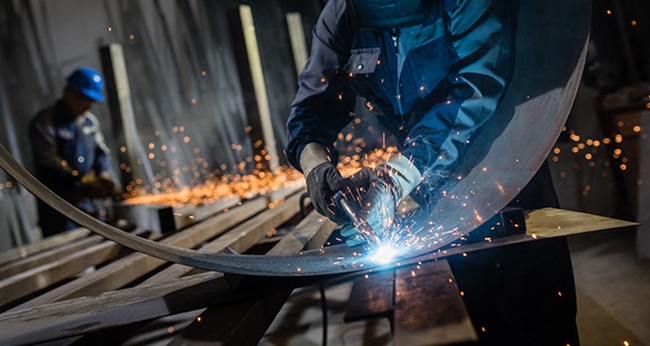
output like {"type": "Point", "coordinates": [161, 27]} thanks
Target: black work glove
{"type": "Point", "coordinates": [322, 183]}
{"type": "Point", "coordinates": [110, 189]}
{"type": "Point", "coordinates": [93, 186]}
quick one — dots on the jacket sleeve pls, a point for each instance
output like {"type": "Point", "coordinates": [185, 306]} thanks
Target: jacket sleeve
{"type": "Point", "coordinates": [102, 163]}
{"type": "Point", "coordinates": [324, 99]}
{"type": "Point", "coordinates": [102, 158]}
{"type": "Point", "coordinates": [473, 88]}
{"type": "Point", "coordinates": [46, 157]}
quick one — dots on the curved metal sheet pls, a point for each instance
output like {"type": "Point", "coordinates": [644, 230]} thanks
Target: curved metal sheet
{"type": "Point", "coordinates": [550, 53]}
{"type": "Point", "coordinates": [550, 50]}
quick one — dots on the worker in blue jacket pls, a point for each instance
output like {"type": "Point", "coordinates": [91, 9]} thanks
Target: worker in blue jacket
{"type": "Point", "coordinates": [432, 77]}
{"type": "Point", "coordinates": [69, 152]}
{"type": "Point", "coordinates": [432, 72]}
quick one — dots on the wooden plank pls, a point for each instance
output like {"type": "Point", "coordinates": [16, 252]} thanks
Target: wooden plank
{"type": "Point", "coordinates": [248, 233]}
{"type": "Point", "coordinates": [428, 307]}
{"type": "Point", "coordinates": [114, 308]}
{"type": "Point", "coordinates": [28, 282]}
{"type": "Point", "coordinates": [244, 323]}
{"type": "Point", "coordinates": [372, 296]}
{"type": "Point", "coordinates": [269, 198]}
{"type": "Point", "coordinates": [240, 238]}
{"type": "Point", "coordinates": [314, 226]}
{"type": "Point", "coordinates": [117, 308]}
{"type": "Point", "coordinates": [49, 256]}
{"type": "Point", "coordinates": [309, 233]}
{"type": "Point", "coordinates": [119, 273]}
{"type": "Point", "coordinates": [190, 215]}
{"type": "Point", "coordinates": [153, 217]}
{"type": "Point", "coordinates": [42, 245]}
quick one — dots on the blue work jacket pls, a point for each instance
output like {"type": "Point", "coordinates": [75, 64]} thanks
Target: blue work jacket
{"type": "Point", "coordinates": [65, 149]}
{"type": "Point", "coordinates": [432, 85]}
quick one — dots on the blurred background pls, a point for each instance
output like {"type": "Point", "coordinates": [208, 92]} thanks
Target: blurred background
{"type": "Point", "coordinates": [185, 96]}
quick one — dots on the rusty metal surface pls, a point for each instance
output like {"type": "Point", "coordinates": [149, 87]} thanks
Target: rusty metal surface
{"type": "Point", "coordinates": [372, 296]}
{"type": "Point", "coordinates": [551, 222]}
{"type": "Point", "coordinates": [429, 309]}
{"type": "Point", "coordinates": [551, 49]}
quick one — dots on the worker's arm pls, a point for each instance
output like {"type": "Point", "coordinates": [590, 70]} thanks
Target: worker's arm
{"type": "Point", "coordinates": [46, 156]}
{"type": "Point", "coordinates": [101, 185]}
{"type": "Point", "coordinates": [102, 163]}
{"type": "Point", "coordinates": [321, 109]}
{"type": "Point", "coordinates": [324, 99]}
{"type": "Point", "coordinates": [476, 84]}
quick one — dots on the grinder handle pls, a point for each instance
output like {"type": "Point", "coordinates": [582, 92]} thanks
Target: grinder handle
{"type": "Point", "coordinates": [357, 221]}
{"type": "Point", "coordinates": [343, 204]}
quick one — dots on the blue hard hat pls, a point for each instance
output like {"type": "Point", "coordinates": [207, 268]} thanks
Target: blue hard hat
{"type": "Point", "coordinates": [88, 82]}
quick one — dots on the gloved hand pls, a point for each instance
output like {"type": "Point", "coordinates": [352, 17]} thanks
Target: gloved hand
{"type": "Point", "coordinates": [323, 181]}
{"type": "Point", "coordinates": [94, 186]}
{"type": "Point", "coordinates": [111, 190]}
{"type": "Point", "coordinates": [386, 185]}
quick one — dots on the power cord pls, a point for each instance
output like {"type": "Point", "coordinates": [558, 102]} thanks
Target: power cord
{"type": "Point", "coordinates": [323, 306]}
{"type": "Point", "coordinates": [321, 287]}
{"type": "Point", "coordinates": [303, 209]}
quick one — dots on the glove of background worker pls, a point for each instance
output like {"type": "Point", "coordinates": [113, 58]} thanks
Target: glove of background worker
{"type": "Point", "coordinates": [94, 186]}
{"type": "Point", "coordinates": [387, 185]}
{"type": "Point", "coordinates": [112, 191]}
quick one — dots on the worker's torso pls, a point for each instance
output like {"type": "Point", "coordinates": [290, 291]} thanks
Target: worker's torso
{"type": "Point", "coordinates": [400, 95]}
{"type": "Point", "coordinates": [76, 141]}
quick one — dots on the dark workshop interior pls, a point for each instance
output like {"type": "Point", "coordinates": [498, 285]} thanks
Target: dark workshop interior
{"type": "Point", "coordinates": [194, 141]}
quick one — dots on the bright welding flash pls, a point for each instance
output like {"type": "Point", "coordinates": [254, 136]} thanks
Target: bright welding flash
{"type": "Point", "coordinates": [385, 254]}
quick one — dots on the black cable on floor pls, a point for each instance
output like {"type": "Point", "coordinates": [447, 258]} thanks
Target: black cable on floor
{"type": "Point", "coordinates": [321, 287]}
{"type": "Point", "coordinates": [323, 305]}
{"type": "Point", "coordinates": [303, 209]}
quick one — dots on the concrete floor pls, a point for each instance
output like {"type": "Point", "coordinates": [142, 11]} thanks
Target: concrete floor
{"type": "Point", "coordinates": [613, 289]}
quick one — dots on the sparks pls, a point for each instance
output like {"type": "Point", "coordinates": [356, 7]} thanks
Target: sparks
{"type": "Point", "coordinates": [385, 254]}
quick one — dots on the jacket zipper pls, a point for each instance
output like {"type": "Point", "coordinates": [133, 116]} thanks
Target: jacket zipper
{"type": "Point", "coordinates": [394, 34]}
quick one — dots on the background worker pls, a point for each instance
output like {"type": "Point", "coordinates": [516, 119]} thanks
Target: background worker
{"type": "Point", "coordinates": [70, 156]}
{"type": "Point", "coordinates": [433, 73]}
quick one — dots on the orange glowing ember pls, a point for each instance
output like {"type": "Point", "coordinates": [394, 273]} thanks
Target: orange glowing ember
{"type": "Point", "coordinates": [247, 186]}
{"type": "Point", "coordinates": [242, 186]}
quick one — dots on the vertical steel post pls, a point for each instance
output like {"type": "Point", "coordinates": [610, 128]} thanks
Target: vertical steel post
{"type": "Point", "coordinates": [249, 66]}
